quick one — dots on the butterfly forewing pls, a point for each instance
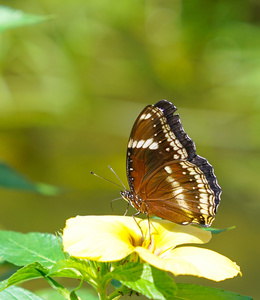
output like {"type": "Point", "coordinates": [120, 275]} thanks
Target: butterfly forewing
{"type": "Point", "coordinates": [166, 177]}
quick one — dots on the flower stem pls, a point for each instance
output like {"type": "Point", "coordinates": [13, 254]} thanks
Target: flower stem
{"type": "Point", "coordinates": [102, 295]}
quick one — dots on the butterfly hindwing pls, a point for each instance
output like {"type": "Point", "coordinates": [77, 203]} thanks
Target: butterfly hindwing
{"type": "Point", "coordinates": [180, 191]}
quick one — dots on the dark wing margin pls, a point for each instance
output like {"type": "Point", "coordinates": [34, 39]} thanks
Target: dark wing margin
{"type": "Point", "coordinates": [208, 171]}
{"type": "Point", "coordinates": [174, 122]}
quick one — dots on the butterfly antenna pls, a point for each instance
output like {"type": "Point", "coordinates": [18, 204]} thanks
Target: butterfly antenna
{"type": "Point", "coordinates": [117, 177]}
{"type": "Point", "coordinates": [108, 180]}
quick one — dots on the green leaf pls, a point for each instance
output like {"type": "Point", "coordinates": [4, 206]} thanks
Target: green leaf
{"type": "Point", "coordinates": [22, 249]}
{"type": "Point", "coordinates": [61, 289]}
{"type": "Point", "coordinates": [11, 179]}
{"type": "Point", "coordinates": [50, 294]}
{"type": "Point", "coordinates": [46, 189]}
{"type": "Point", "coordinates": [14, 293]}
{"type": "Point", "coordinates": [3, 284]}
{"type": "Point", "coordinates": [70, 268]}
{"type": "Point", "coordinates": [197, 292]}
{"type": "Point", "coordinates": [216, 230]}
{"type": "Point", "coordinates": [73, 268]}
{"type": "Point", "coordinates": [147, 280]}
{"type": "Point", "coordinates": [10, 18]}
{"type": "Point", "coordinates": [32, 271]}
{"type": "Point", "coordinates": [117, 284]}
{"type": "Point", "coordinates": [67, 268]}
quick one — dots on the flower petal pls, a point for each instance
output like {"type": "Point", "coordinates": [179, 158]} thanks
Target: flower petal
{"type": "Point", "coordinates": [193, 261]}
{"type": "Point", "coordinates": [167, 235]}
{"type": "Point", "coordinates": [101, 238]}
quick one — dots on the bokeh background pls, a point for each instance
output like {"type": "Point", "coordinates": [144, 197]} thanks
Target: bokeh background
{"type": "Point", "coordinates": [71, 88]}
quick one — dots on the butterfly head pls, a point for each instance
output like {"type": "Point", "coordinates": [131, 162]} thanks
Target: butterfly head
{"type": "Point", "coordinates": [134, 201]}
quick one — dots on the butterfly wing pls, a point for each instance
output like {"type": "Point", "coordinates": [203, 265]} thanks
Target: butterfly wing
{"type": "Point", "coordinates": [180, 192]}
{"type": "Point", "coordinates": [164, 172]}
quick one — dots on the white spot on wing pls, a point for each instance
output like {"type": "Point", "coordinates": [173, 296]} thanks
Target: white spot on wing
{"type": "Point", "coordinates": [147, 143]}
{"type": "Point", "coordinates": [168, 169]}
{"type": "Point", "coordinates": [176, 192]}
{"type": "Point", "coordinates": [130, 143]}
{"type": "Point", "coordinates": [147, 116]}
{"type": "Point", "coordinates": [154, 146]}
{"type": "Point", "coordinates": [140, 143]}
{"type": "Point", "coordinates": [175, 184]}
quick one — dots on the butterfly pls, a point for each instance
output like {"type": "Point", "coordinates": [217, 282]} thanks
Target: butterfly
{"type": "Point", "coordinates": [165, 175]}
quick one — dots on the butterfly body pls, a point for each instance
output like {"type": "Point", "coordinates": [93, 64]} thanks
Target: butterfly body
{"type": "Point", "coordinates": [165, 175]}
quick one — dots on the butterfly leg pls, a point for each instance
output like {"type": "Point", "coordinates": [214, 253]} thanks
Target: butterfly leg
{"type": "Point", "coordinates": [149, 228]}
{"type": "Point", "coordinates": [126, 211]}
{"type": "Point", "coordinates": [135, 215]}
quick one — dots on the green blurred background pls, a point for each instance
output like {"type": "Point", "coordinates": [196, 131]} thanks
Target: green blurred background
{"type": "Point", "coordinates": [71, 88]}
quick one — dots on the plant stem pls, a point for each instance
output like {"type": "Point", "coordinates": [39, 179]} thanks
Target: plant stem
{"type": "Point", "coordinates": [102, 295]}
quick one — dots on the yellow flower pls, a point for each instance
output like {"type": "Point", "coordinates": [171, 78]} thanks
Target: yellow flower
{"type": "Point", "coordinates": [112, 238]}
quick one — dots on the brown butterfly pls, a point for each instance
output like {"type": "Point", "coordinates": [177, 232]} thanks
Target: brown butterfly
{"type": "Point", "coordinates": [165, 175]}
